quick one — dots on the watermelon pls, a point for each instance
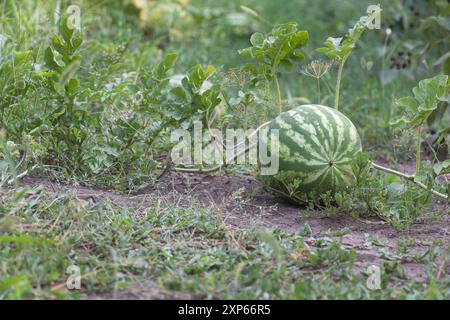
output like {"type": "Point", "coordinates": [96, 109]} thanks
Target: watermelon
{"type": "Point", "coordinates": [316, 147]}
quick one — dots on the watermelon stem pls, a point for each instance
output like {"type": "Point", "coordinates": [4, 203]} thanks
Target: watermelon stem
{"type": "Point", "coordinates": [218, 167]}
{"type": "Point", "coordinates": [277, 86]}
{"type": "Point", "coordinates": [338, 84]}
{"type": "Point", "coordinates": [409, 177]}
{"type": "Point", "coordinates": [267, 96]}
{"type": "Point", "coordinates": [318, 91]}
{"type": "Point", "coordinates": [419, 141]}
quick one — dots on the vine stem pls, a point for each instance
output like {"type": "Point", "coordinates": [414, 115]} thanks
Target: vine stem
{"type": "Point", "coordinates": [338, 85]}
{"type": "Point", "coordinates": [397, 173]}
{"type": "Point", "coordinates": [419, 141]}
{"type": "Point", "coordinates": [267, 96]}
{"type": "Point", "coordinates": [218, 167]}
{"type": "Point", "coordinates": [409, 177]}
{"type": "Point", "coordinates": [318, 89]}
{"type": "Point", "coordinates": [386, 38]}
{"type": "Point", "coordinates": [277, 85]}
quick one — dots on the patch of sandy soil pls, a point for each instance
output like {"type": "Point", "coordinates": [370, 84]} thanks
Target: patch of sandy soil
{"type": "Point", "coordinates": [242, 202]}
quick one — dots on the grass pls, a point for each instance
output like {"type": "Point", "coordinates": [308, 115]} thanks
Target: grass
{"type": "Point", "coordinates": [170, 250]}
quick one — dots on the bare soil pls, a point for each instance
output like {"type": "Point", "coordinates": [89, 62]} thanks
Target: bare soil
{"type": "Point", "coordinates": [242, 202]}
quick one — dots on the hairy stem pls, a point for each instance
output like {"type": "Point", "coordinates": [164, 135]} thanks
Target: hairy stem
{"type": "Point", "coordinates": [245, 118]}
{"type": "Point", "coordinates": [392, 171]}
{"type": "Point", "coordinates": [338, 85]}
{"type": "Point", "coordinates": [218, 167]}
{"type": "Point", "coordinates": [386, 38]}
{"type": "Point", "coordinates": [408, 177]}
{"type": "Point", "coordinates": [374, 165]}
{"type": "Point", "coordinates": [419, 142]}
{"type": "Point", "coordinates": [318, 90]}
{"type": "Point", "coordinates": [267, 97]}
{"type": "Point", "coordinates": [277, 86]}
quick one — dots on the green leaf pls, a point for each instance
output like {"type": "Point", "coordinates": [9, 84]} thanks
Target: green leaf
{"type": "Point", "coordinates": [430, 91]}
{"type": "Point", "coordinates": [180, 93]}
{"type": "Point", "coordinates": [332, 49]}
{"type": "Point", "coordinates": [408, 106]}
{"type": "Point", "coordinates": [271, 241]}
{"type": "Point", "coordinates": [427, 97]}
{"type": "Point", "coordinates": [15, 286]}
{"type": "Point", "coordinates": [21, 57]}
{"type": "Point", "coordinates": [442, 167]}
{"type": "Point", "coordinates": [49, 59]}
{"type": "Point", "coordinates": [247, 53]}
{"type": "Point", "coordinates": [257, 39]}
{"type": "Point", "coordinates": [72, 86]}
{"type": "Point", "coordinates": [69, 72]}
{"type": "Point", "coordinates": [438, 113]}
{"type": "Point", "coordinates": [58, 45]}
{"type": "Point", "coordinates": [16, 239]}
{"type": "Point", "coordinates": [61, 58]}
{"type": "Point", "coordinates": [338, 49]}
{"type": "Point", "coordinates": [210, 70]}
{"type": "Point", "coordinates": [193, 100]}
{"type": "Point", "coordinates": [169, 60]}
{"type": "Point", "coordinates": [65, 31]}
{"type": "Point", "coordinates": [279, 47]}
{"type": "Point", "coordinates": [165, 65]}
{"type": "Point", "coordinates": [196, 77]}
{"type": "Point", "coordinates": [76, 43]}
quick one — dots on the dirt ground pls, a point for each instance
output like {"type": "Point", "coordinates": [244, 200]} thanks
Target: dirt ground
{"type": "Point", "coordinates": [242, 202]}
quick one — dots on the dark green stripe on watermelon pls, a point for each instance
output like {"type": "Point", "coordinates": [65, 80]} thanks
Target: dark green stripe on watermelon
{"type": "Point", "coordinates": [317, 145]}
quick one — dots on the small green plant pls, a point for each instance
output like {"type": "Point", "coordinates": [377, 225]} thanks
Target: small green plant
{"type": "Point", "coordinates": [277, 50]}
{"type": "Point", "coordinates": [62, 58]}
{"type": "Point", "coordinates": [155, 83]}
{"type": "Point", "coordinates": [9, 155]}
{"type": "Point", "coordinates": [67, 120]}
{"type": "Point", "coordinates": [16, 80]}
{"type": "Point", "coordinates": [243, 100]}
{"type": "Point", "coordinates": [386, 197]}
{"type": "Point", "coordinates": [417, 110]}
{"type": "Point", "coordinates": [339, 49]}
{"type": "Point", "coordinates": [195, 99]}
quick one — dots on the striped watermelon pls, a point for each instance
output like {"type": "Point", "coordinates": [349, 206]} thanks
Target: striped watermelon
{"type": "Point", "coordinates": [316, 147]}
